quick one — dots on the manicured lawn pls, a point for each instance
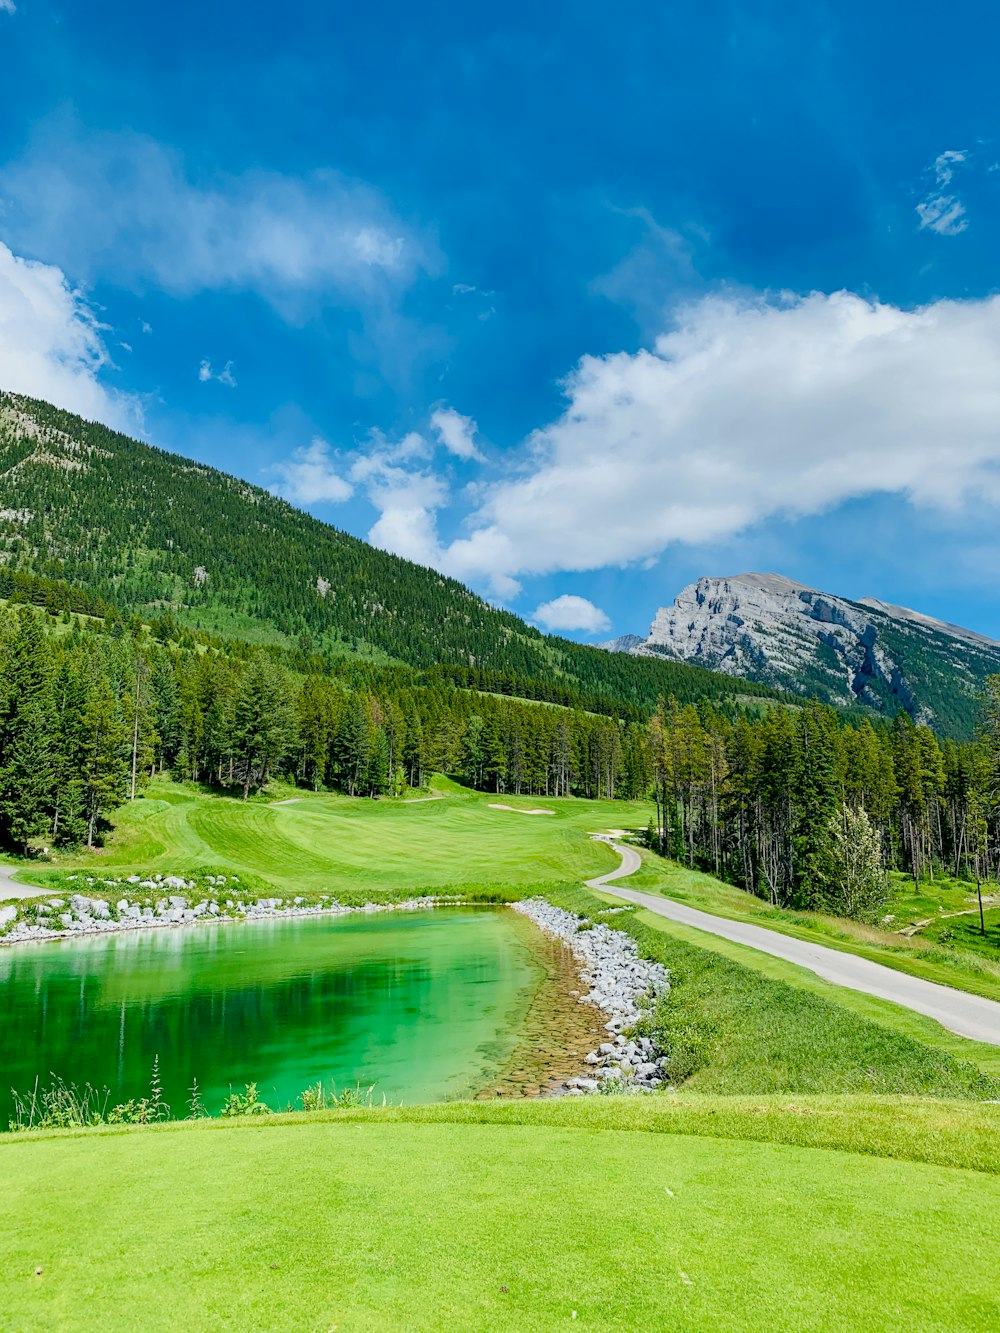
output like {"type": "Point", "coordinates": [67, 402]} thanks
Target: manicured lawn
{"type": "Point", "coordinates": [332, 842]}
{"type": "Point", "coordinates": [377, 1222]}
{"type": "Point", "coordinates": [786, 1208]}
{"type": "Point", "coordinates": [905, 1022]}
{"type": "Point", "coordinates": [967, 967]}
{"type": "Point", "coordinates": [731, 1026]}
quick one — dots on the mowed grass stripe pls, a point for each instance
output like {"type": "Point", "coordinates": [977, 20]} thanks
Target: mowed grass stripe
{"type": "Point", "coordinates": [332, 843]}
{"type": "Point", "coordinates": [448, 1226]}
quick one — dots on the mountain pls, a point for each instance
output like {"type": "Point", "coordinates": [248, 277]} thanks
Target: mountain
{"type": "Point", "coordinates": [91, 519]}
{"type": "Point", "coordinates": [625, 643]}
{"type": "Point", "coordinates": [769, 629]}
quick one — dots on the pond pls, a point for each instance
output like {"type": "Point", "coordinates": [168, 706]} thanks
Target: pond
{"type": "Point", "coordinates": [427, 1005]}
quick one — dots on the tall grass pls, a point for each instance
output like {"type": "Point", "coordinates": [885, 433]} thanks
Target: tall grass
{"type": "Point", "coordinates": [62, 1105]}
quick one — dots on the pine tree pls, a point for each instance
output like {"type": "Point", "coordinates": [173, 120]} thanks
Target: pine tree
{"type": "Point", "coordinates": [105, 755]}
{"type": "Point", "coordinates": [263, 722]}
{"type": "Point", "coordinates": [24, 677]}
{"type": "Point", "coordinates": [352, 745]}
{"type": "Point", "coordinates": [473, 750]}
{"type": "Point", "coordinates": [27, 780]}
{"type": "Point", "coordinates": [816, 796]}
{"type": "Point", "coordinates": [69, 694]}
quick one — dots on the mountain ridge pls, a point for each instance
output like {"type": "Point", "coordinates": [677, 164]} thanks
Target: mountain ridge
{"type": "Point", "coordinates": [159, 536]}
{"type": "Point", "coordinates": [771, 629]}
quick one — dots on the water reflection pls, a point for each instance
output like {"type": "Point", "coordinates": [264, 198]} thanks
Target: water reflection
{"type": "Point", "coordinates": [424, 1004]}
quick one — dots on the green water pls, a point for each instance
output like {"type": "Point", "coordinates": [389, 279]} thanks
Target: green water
{"type": "Point", "coordinates": [426, 1005]}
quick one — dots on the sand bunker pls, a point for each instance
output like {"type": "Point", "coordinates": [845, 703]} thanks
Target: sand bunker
{"type": "Point", "coordinates": [515, 811]}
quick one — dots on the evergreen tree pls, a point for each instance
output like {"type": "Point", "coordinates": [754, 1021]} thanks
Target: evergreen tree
{"type": "Point", "coordinates": [104, 754]}
{"type": "Point", "coordinates": [263, 724]}
{"type": "Point", "coordinates": [352, 746]}
{"type": "Point", "coordinates": [27, 781]}
{"type": "Point", "coordinates": [816, 796]}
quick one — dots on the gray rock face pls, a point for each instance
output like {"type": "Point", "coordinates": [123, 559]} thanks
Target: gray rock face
{"type": "Point", "coordinates": [625, 643]}
{"type": "Point", "coordinates": [767, 628]}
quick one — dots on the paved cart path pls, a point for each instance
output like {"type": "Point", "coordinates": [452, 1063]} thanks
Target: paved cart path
{"type": "Point", "coordinates": [967, 1015]}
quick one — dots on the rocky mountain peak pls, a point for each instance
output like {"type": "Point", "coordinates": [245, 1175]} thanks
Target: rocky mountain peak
{"type": "Point", "coordinates": [769, 628]}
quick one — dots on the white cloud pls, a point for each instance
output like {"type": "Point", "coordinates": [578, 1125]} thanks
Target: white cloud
{"type": "Point", "coordinates": [572, 613]}
{"type": "Point", "coordinates": [224, 376]}
{"type": "Point", "coordinates": [310, 477]}
{"type": "Point", "coordinates": [407, 499]}
{"type": "Point", "coordinates": [51, 344]}
{"type": "Point", "coordinates": [946, 162]}
{"type": "Point", "coordinates": [456, 433]}
{"type": "Point", "coordinates": [8, 7]}
{"type": "Point", "coordinates": [124, 207]}
{"type": "Point", "coordinates": [943, 212]}
{"type": "Point", "coordinates": [747, 410]}
{"type": "Point", "coordinates": [396, 478]}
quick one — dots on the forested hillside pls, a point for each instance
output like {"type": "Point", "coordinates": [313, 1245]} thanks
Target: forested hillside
{"type": "Point", "coordinates": [156, 535]}
{"type": "Point", "coordinates": [803, 806]}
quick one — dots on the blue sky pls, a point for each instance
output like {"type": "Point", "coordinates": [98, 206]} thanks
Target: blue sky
{"type": "Point", "coordinates": [570, 300]}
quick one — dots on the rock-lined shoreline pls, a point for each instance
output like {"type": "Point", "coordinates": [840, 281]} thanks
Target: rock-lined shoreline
{"type": "Point", "coordinates": [82, 915]}
{"type": "Point", "coordinates": [619, 982]}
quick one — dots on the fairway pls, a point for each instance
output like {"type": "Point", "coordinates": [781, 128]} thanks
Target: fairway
{"type": "Point", "coordinates": [330, 843]}
{"type": "Point", "coordinates": [365, 1224]}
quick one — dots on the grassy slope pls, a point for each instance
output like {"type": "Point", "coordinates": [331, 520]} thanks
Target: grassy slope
{"type": "Point", "coordinates": [964, 968]}
{"type": "Point", "coordinates": [330, 843]}
{"type": "Point", "coordinates": [869, 1008]}
{"type": "Point", "coordinates": [730, 1026]}
{"type": "Point", "coordinates": [465, 1221]}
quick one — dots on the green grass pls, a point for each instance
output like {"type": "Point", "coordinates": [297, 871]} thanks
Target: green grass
{"type": "Point", "coordinates": [966, 968]}
{"type": "Point", "coordinates": [780, 1189]}
{"type": "Point", "coordinates": [527, 1217]}
{"type": "Point", "coordinates": [732, 1028]}
{"type": "Point", "coordinates": [333, 843]}
{"type": "Point", "coordinates": [757, 1023]}
{"type": "Point", "coordinates": [924, 1031]}
{"type": "Point", "coordinates": [915, 902]}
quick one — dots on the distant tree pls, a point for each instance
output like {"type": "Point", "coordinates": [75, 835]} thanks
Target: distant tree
{"type": "Point", "coordinates": [105, 754]}
{"type": "Point", "coordinates": [352, 745]}
{"type": "Point", "coordinates": [816, 795]}
{"type": "Point", "coordinates": [28, 778]}
{"type": "Point", "coordinates": [850, 879]}
{"type": "Point", "coordinates": [474, 750]}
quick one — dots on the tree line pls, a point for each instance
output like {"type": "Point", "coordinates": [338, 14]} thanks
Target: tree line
{"type": "Point", "coordinates": [808, 810]}
{"type": "Point", "coordinates": [153, 535]}
{"type": "Point", "coordinates": [798, 805]}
